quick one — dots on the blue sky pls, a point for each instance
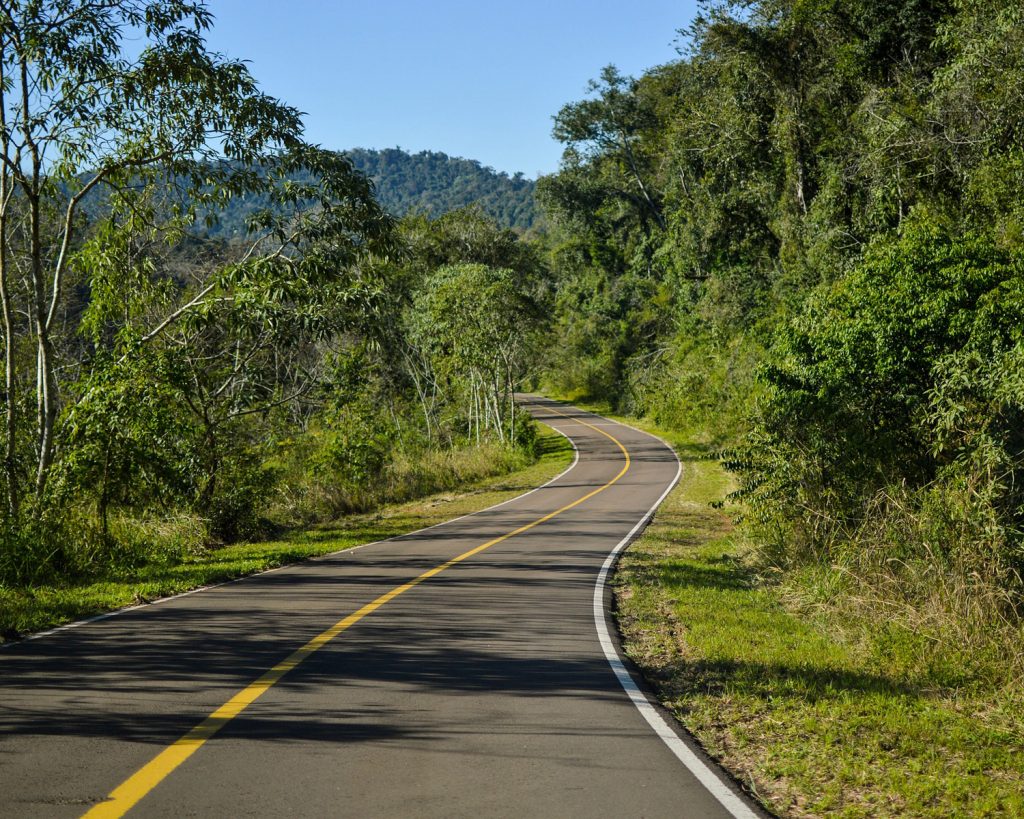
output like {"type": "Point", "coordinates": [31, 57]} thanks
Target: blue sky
{"type": "Point", "coordinates": [474, 79]}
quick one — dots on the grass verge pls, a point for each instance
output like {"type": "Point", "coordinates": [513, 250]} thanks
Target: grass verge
{"type": "Point", "coordinates": [815, 719]}
{"type": "Point", "coordinates": [24, 610]}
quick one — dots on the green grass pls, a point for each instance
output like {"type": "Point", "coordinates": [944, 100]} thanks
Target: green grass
{"type": "Point", "coordinates": [814, 720]}
{"type": "Point", "coordinates": [29, 609]}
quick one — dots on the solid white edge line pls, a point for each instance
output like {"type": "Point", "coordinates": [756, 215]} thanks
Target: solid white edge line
{"type": "Point", "coordinates": [108, 614]}
{"type": "Point", "coordinates": [694, 764]}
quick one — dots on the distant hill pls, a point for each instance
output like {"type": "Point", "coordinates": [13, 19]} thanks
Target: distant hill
{"type": "Point", "coordinates": [434, 183]}
{"type": "Point", "coordinates": [428, 182]}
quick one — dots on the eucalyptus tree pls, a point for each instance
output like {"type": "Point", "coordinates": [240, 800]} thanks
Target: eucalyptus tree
{"type": "Point", "coordinates": [481, 326]}
{"type": "Point", "coordinates": [116, 96]}
{"type": "Point", "coordinates": [462, 237]}
{"type": "Point", "coordinates": [238, 338]}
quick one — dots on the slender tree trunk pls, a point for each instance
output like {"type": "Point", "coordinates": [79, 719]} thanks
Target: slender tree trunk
{"type": "Point", "coordinates": [498, 414]}
{"type": "Point", "coordinates": [10, 396]}
{"type": "Point", "coordinates": [46, 381]}
{"type": "Point", "coordinates": [398, 425]}
{"type": "Point", "coordinates": [47, 409]}
{"type": "Point", "coordinates": [801, 196]}
{"type": "Point", "coordinates": [511, 407]}
{"type": "Point", "coordinates": [485, 403]}
{"type": "Point", "coordinates": [485, 396]}
{"type": "Point", "coordinates": [795, 102]}
{"type": "Point", "coordinates": [420, 384]}
{"type": "Point", "coordinates": [45, 377]}
{"type": "Point", "coordinates": [486, 388]}
{"type": "Point", "coordinates": [105, 495]}
{"type": "Point", "coordinates": [477, 407]}
{"type": "Point", "coordinates": [651, 204]}
{"type": "Point", "coordinates": [10, 411]}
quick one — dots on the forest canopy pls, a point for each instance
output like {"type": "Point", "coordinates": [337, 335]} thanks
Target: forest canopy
{"type": "Point", "coordinates": [803, 240]}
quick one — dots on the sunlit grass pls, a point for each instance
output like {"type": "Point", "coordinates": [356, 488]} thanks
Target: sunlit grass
{"type": "Point", "coordinates": [814, 718]}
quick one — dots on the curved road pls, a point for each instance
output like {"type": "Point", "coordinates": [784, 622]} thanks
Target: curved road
{"type": "Point", "coordinates": [405, 678]}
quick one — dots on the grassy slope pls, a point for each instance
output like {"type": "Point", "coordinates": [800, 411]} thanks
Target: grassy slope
{"type": "Point", "coordinates": [789, 701]}
{"type": "Point", "coordinates": [25, 610]}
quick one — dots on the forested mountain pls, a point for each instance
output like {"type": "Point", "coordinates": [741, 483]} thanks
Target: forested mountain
{"type": "Point", "coordinates": [434, 183]}
{"type": "Point", "coordinates": [429, 183]}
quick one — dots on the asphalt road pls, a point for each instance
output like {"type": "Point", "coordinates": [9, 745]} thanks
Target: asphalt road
{"type": "Point", "coordinates": [482, 689]}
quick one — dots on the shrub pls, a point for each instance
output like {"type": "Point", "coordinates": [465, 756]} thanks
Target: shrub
{"type": "Point", "coordinates": [852, 383]}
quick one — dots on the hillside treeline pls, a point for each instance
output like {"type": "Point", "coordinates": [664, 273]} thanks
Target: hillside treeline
{"type": "Point", "coordinates": [165, 393]}
{"type": "Point", "coordinates": [433, 183]}
{"type": "Point", "coordinates": [806, 238]}
{"type": "Point", "coordinates": [427, 183]}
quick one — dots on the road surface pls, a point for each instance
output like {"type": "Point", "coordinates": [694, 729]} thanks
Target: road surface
{"type": "Point", "coordinates": [457, 671]}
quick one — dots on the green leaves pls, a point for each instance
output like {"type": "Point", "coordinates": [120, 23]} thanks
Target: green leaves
{"type": "Point", "coordinates": [859, 384]}
{"type": "Point", "coordinates": [479, 326]}
{"type": "Point", "coordinates": [126, 439]}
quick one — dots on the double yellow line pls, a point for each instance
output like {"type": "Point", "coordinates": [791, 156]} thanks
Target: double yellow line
{"type": "Point", "coordinates": [126, 795]}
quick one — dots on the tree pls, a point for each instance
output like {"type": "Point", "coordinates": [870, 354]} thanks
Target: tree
{"type": "Point", "coordinates": [610, 126]}
{"type": "Point", "coordinates": [480, 325]}
{"type": "Point", "coordinates": [247, 335]}
{"type": "Point", "coordinates": [82, 110]}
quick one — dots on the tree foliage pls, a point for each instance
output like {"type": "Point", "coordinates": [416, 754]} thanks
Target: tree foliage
{"type": "Point", "coordinates": [138, 378]}
{"type": "Point", "coordinates": [804, 236]}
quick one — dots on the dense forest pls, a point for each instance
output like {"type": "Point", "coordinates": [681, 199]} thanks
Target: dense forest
{"type": "Point", "coordinates": [433, 183]}
{"type": "Point", "coordinates": [803, 239]}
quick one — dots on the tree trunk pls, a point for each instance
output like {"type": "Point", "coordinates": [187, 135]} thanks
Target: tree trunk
{"type": "Point", "coordinates": [46, 382]}
{"type": "Point", "coordinates": [104, 502]}
{"type": "Point", "coordinates": [11, 418]}
{"type": "Point", "coordinates": [498, 414]}
{"type": "Point", "coordinates": [652, 206]}
{"type": "Point", "coordinates": [511, 408]}
{"type": "Point", "coordinates": [10, 412]}
{"type": "Point", "coordinates": [477, 407]}
{"type": "Point", "coordinates": [47, 410]}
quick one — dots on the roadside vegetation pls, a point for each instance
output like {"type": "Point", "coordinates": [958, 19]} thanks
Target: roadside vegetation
{"type": "Point", "coordinates": [177, 558]}
{"type": "Point", "coordinates": [817, 710]}
{"type": "Point", "coordinates": [171, 391]}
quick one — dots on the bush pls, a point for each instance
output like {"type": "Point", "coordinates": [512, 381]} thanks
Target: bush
{"type": "Point", "coordinates": [704, 386]}
{"type": "Point", "coordinates": [70, 543]}
{"type": "Point", "coordinates": [237, 510]}
{"type": "Point", "coordinates": [887, 455]}
{"type": "Point", "coordinates": [850, 385]}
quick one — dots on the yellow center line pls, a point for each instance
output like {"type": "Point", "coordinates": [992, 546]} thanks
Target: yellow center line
{"type": "Point", "coordinates": [126, 795]}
